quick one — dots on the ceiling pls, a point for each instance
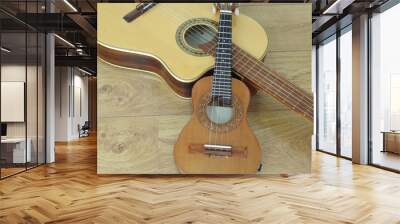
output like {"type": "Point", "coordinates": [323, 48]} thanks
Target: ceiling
{"type": "Point", "coordinates": [76, 22]}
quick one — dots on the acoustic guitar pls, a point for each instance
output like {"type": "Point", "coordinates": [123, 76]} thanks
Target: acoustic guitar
{"type": "Point", "coordinates": [217, 138]}
{"type": "Point", "coordinates": [177, 42]}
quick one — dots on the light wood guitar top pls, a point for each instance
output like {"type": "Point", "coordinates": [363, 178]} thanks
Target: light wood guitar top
{"type": "Point", "coordinates": [154, 34]}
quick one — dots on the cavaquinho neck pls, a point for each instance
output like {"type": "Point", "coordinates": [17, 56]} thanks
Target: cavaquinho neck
{"type": "Point", "coordinates": [222, 80]}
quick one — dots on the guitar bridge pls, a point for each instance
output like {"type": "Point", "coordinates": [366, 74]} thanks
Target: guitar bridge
{"type": "Point", "coordinates": [218, 150]}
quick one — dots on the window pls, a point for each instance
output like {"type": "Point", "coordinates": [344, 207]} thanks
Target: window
{"type": "Point", "coordinates": [385, 89]}
{"type": "Point", "coordinates": [394, 101]}
{"type": "Point", "coordinates": [346, 92]}
{"type": "Point", "coordinates": [22, 77]}
{"type": "Point", "coordinates": [327, 96]}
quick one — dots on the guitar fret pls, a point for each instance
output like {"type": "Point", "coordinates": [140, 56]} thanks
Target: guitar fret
{"type": "Point", "coordinates": [222, 89]}
{"type": "Point", "coordinates": [222, 80]}
{"type": "Point", "coordinates": [221, 66]}
{"type": "Point", "coordinates": [227, 82]}
{"type": "Point", "coordinates": [222, 76]}
{"type": "Point", "coordinates": [227, 93]}
{"type": "Point", "coordinates": [226, 75]}
{"type": "Point", "coordinates": [223, 71]}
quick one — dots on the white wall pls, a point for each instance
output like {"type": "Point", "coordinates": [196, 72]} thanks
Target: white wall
{"type": "Point", "coordinates": [62, 81]}
{"type": "Point", "coordinates": [70, 83]}
{"type": "Point", "coordinates": [16, 73]}
{"type": "Point", "coordinates": [385, 68]}
{"type": "Point", "coordinates": [12, 101]}
{"type": "Point", "coordinates": [33, 127]}
{"type": "Point", "coordinates": [79, 117]}
{"type": "Point", "coordinates": [13, 72]}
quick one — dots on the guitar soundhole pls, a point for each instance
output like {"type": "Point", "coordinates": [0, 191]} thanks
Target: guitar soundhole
{"type": "Point", "coordinates": [219, 118]}
{"type": "Point", "coordinates": [198, 35]}
{"type": "Point", "coordinates": [194, 33]}
{"type": "Point", "coordinates": [219, 114]}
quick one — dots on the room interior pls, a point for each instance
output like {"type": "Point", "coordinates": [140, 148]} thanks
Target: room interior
{"type": "Point", "coordinates": [50, 126]}
{"type": "Point", "coordinates": [22, 104]}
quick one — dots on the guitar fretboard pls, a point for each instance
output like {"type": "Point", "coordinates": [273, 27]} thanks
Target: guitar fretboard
{"type": "Point", "coordinates": [222, 79]}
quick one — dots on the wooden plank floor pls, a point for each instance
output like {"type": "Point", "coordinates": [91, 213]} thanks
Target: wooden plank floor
{"type": "Point", "coordinates": [69, 191]}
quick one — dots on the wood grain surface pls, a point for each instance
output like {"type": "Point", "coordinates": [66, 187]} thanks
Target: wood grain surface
{"type": "Point", "coordinates": [240, 138]}
{"type": "Point", "coordinates": [155, 33]}
{"type": "Point", "coordinates": [140, 117]}
{"type": "Point", "coordinates": [70, 191]}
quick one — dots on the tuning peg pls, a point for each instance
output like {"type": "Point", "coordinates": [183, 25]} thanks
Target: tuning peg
{"type": "Point", "coordinates": [236, 11]}
{"type": "Point", "coordinates": [214, 9]}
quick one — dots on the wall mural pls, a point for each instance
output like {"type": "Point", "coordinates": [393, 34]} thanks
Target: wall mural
{"type": "Point", "coordinates": [204, 88]}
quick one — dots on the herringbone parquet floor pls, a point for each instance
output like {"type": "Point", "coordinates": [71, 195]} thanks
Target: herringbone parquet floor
{"type": "Point", "coordinates": [69, 191]}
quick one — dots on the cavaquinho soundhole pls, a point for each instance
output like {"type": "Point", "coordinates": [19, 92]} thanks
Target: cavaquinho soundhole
{"type": "Point", "coordinates": [194, 33]}
{"type": "Point", "coordinates": [219, 118]}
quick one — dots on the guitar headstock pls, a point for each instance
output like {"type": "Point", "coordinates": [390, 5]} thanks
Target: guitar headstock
{"type": "Point", "coordinates": [232, 7]}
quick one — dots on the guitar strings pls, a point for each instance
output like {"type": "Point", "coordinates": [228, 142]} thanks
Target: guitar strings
{"type": "Point", "coordinates": [244, 65]}
{"type": "Point", "coordinates": [278, 89]}
{"type": "Point", "coordinates": [267, 80]}
{"type": "Point", "coordinates": [215, 75]}
{"type": "Point", "coordinates": [305, 97]}
{"type": "Point", "coordinates": [225, 29]}
{"type": "Point", "coordinates": [295, 87]}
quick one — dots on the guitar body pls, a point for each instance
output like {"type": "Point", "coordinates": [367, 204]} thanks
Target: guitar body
{"type": "Point", "coordinates": [190, 155]}
{"type": "Point", "coordinates": [163, 40]}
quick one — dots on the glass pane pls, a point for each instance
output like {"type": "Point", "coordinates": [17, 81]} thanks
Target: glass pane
{"type": "Point", "coordinates": [327, 96]}
{"type": "Point", "coordinates": [31, 100]}
{"type": "Point", "coordinates": [346, 94]}
{"type": "Point", "coordinates": [41, 99]}
{"type": "Point", "coordinates": [13, 87]}
{"type": "Point", "coordinates": [22, 89]}
{"type": "Point", "coordinates": [386, 89]}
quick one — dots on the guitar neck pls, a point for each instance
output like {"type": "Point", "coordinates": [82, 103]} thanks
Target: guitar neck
{"type": "Point", "coordinates": [221, 85]}
{"type": "Point", "coordinates": [268, 81]}
{"type": "Point", "coordinates": [273, 84]}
